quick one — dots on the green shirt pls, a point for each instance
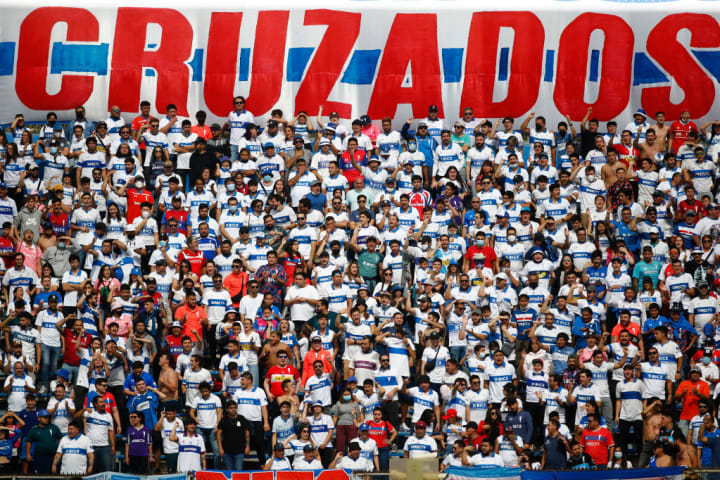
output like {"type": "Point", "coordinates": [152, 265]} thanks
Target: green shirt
{"type": "Point", "coordinates": [44, 439]}
{"type": "Point", "coordinates": [368, 263]}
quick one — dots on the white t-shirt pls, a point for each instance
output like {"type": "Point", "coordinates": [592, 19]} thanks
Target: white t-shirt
{"type": "Point", "coordinates": [74, 454]}
{"type": "Point", "coordinates": [190, 449]}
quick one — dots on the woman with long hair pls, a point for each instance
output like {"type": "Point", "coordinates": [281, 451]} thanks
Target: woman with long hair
{"type": "Point", "coordinates": [251, 142]}
{"type": "Point", "coordinates": [115, 222]}
{"type": "Point", "coordinates": [14, 171]}
{"type": "Point", "coordinates": [292, 260]}
{"type": "Point", "coordinates": [108, 287]}
{"type": "Point", "coordinates": [184, 271]}
{"type": "Point", "coordinates": [491, 427]}
{"type": "Point", "coordinates": [566, 266]}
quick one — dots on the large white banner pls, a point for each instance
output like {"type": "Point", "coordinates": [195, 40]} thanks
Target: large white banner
{"type": "Point", "coordinates": [380, 57]}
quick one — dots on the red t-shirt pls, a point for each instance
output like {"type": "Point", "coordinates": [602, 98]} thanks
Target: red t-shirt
{"type": "Point", "coordinates": [137, 124]}
{"type": "Point", "coordinates": [60, 223]}
{"type": "Point", "coordinates": [485, 251]}
{"type": "Point", "coordinates": [379, 432]}
{"type": "Point", "coordinates": [696, 206]}
{"type": "Point", "coordinates": [191, 320]}
{"type": "Point", "coordinates": [626, 152]}
{"type": "Point", "coordinates": [197, 260]}
{"type": "Point", "coordinates": [632, 327]}
{"type": "Point", "coordinates": [109, 402]}
{"type": "Point", "coordinates": [5, 247]}
{"type": "Point", "coordinates": [70, 356]}
{"type": "Point", "coordinates": [679, 131]}
{"type": "Point", "coordinates": [277, 375]}
{"type": "Point", "coordinates": [201, 131]}
{"type": "Point", "coordinates": [597, 443]}
{"type": "Point", "coordinates": [181, 216]}
{"type": "Point", "coordinates": [136, 198]}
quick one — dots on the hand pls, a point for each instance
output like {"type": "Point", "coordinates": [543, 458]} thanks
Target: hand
{"type": "Point", "coordinates": [410, 120]}
{"type": "Point", "coordinates": [29, 458]}
{"type": "Point", "coordinates": [222, 452]}
{"type": "Point", "coordinates": [267, 427]}
{"type": "Point", "coordinates": [152, 458]}
{"type": "Point", "coordinates": [127, 460]}
{"type": "Point", "coordinates": [247, 449]}
{"type": "Point", "coordinates": [339, 455]}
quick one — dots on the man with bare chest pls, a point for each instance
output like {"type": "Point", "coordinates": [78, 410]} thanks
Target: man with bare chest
{"type": "Point", "coordinates": [662, 131]}
{"type": "Point", "coordinates": [609, 170]}
{"type": "Point", "coordinates": [652, 419]}
{"type": "Point", "coordinates": [271, 349]}
{"type": "Point", "coordinates": [168, 380]}
{"type": "Point", "coordinates": [652, 147]}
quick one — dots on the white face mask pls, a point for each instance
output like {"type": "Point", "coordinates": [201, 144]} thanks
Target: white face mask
{"type": "Point", "coordinates": [139, 185]}
{"type": "Point", "coordinates": [145, 214]}
{"type": "Point", "coordinates": [591, 178]}
{"type": "Point", "coordinates": [511, 238]}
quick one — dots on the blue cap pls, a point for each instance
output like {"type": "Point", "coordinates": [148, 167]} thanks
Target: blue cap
{"type": "Point", "coordinates": [43, 413]}
{"type": "Point", "coordinates": [365, 120]}
{"type": "Point", "coordinates": [352, 379]}
{"type": "Point", "coordinates": [525, 209]}
{"type": "Point", "coordinates": [364, 427]}
{"type": "Point", "coordinates": [268, 145]}
{"type": "Point", "coordinates": [363, 286]}
{"type": "Point", "coordinates": [640, 111]}
{"type": "Point", "coordinates": [298, 137]}
{"type": "Point", "coordinates": [3, 185]}
{"type": "Point", "coordinates": [136, 271]}
{"type": "Point", "coordinates": [374, 158]}
{"type": "Point", "coordinates": [63, 373]}
{"type": "Point", "coordinates": [317, 403]}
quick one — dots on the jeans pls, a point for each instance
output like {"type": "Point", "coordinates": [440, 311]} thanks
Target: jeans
{"type": "Point", "coordinates": [103, 459]}
{"type": "Point", "coordinates": [210, 440]}
{"type": "Point", "coordinates": [233, 152]}
{"type": "Point", "coordinates": [384, 458]}
{"type": "Point", "coordinates": [254, 368]}
{"type": "Point", "coordinates": [458, 353]}
{"type": "Point", "coordinates": [48, 363]}
{"type": "Point", "coordinates": [73, 372]}
{"type": "Point", "coordinates": [233, 461]}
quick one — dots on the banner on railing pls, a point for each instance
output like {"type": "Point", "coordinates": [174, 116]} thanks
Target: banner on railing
{"type": "Point", "coordinates": [468, 473]}
{"type": "Point", "coordinates": [127, 476]}
{"type": "Point", "coordinates": [269, 475]}
{"type": "Point", "coordinates": [383, 58]}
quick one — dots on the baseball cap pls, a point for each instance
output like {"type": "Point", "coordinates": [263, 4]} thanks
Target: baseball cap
{"type": "Point", "coordinates": [272, 123]}
{"type": "Point", "coordinates": [451, 413]}
{"type": "Point", "coordinates": [365, 120]}
{"type": "Point", "coordinates": [374, 159]}
{"type": "Point", "coordinates": [43, 413]}
{"type": "Point", "coordinates": [317, 403]}
{"type": "Point", "coordinates": [690, 212]}
{"type": "Point", "coordinates": [168, 164]}
{"type": "Point", "coordinates": [63, 373]}
{"type": "Point", "coordinates": [422, 124]}
{"type": "Point", "coordinates": [363, 286]}
{"type": "Point", "coordinates": [115, 305]}
{"type": "Point", "coordinates": [315, 337]}
{"type": "Point", "coordinates": [308, 448]}
{"type": "Point", "coordinates": [315, 182]}
{"type": "Point", "coordinates": [364, 427]}
{"type": "Point", "coordinates": [176, 324]}
{"type": "Point", "coordinates": [279, 446]}
{"type": "Point", "coordinates": [432, 108]}
{"type": "Point", "coordinates": [352, 379]}
{"type": "Point", "coordinates": [658, 193]}
{"type": "Point", "coordinates": [269, 145]}
{"type": "Point", "coordinates": [324, 141]}
{"type": "Point", "coordinates": [420, 424]}
{"type": "Point", "coordinates": [136, 271]}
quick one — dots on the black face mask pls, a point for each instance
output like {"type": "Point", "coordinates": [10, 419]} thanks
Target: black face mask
{"type": "Point", "coordinates": [117, 250]}
{"type": "Point", "coordinates": [538, 126]}
{"type": "Point", "coordinates": [533, 284]}
{"type": "Point", "coordinates": [130, 236]}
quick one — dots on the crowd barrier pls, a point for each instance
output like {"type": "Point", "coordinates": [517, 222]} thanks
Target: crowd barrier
{"type": "Point", "coordinates": [383, 58]}
{"type": "Point", "coordinates": [467, 473]}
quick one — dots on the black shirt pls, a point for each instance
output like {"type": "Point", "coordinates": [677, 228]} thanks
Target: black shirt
{"type": "Point", "coordinates": [233, 433]}
{"type": "Point", "coordinates": [200, 161]}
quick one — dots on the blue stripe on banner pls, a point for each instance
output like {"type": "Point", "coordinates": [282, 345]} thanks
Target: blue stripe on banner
{"type": "Point", "coordinates": [488, 471]}
{"type": "Point", "coordinates": [594, 65]}
{"type": "Point", "coordinates": [645, 71]}
{"type": "Point", "coordinates": [452, 64]}
{"type": "Point", "coordinates": [298, 59]}
{"type": "Point", "coordinates": [244, 74]}
{"type": "Point", "coordinates": [503, 66]}
{"type": "Point", "coordinates": [549, 65]}
{"type": "Point", "coordinates": [228, 474]}
{"type": "Point", "coordinates": [79, 58]}
{"type": "Point", "coordinates": [196, 64]}
{"type": "Point", "coordinates": [7, 58]}
{"type": "Point", "coordinates": [710, 60]}
{"type": "Point", "coordinates": [638, 473]}
{"type": "Point", "coordinates": [361, 69]}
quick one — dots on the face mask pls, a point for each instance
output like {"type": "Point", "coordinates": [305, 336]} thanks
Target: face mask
{"type": "Point", "coordinates": [51, 122]}
{"type": "Point", "coordinates": [347, 398]}
{"type": "Point", "coordinates": [520, 187]}
{"type": "Point", "coordinates": [538, 127]}
{"type": "Point", "coordinates": [412, 147]}
{"type": "Point", "coordinates": [145, 214]}
{"type": "Point", "coordinates": [591, 178]}
{"type": "Point", "coordinates": [61, 245]}
{"type": "Point", "coordinates": [233, 208]}
{"type": "Point", "coordinates": [424, 247]}
{"type": "Point", "coordinates": [117, 250]}
{"type": "Point", "coordinates": [533, 284]}
{"type": "Point", "coordinates": [506, 204]}
{"type": "Point", "coordinates": [513, 164]}
{"type": "Point", "coordinates": [479, 243]}
{"type": "Point", "coordinates": [706, 360]}
{"type": "Point", "coordinates": [267, 178]}
{"type": "Point", "coordinates": [230, 187]}
{"type": "Point", "coordinates": [53, 150]}
{"type": "Point", "coordinates": [139, 185]}
{"type": "Point", "coordinates": [618, 454]}
{"type": "Point", "coordinates": [511, 238]}
{"type": "Point", "coordinates": [162, 243]}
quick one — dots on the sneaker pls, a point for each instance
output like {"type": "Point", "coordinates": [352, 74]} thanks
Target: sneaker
{"type": "Point", "coordinates": [42, 390]}
{"type": "Point", "coordinates": [404, 428]}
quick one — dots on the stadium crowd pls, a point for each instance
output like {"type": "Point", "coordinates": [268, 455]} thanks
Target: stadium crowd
{"type": "Point", "coordinates": [314, 293]}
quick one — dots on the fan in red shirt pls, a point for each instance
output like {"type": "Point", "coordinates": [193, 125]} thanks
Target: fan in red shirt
{"type": "Point", "coordinates": [277, 374]}
{"type": "Point", "coordinates": [690, 203]}
{"type": "Point", "coordinates": [378, 429]}
{"type": "Point", "coordinates": [136, 196]}
{"type": "Point", "coordinates": [71, 334]}
{"type": "Point", "coordinates": [174, 340]}
{"type": "Point", "coordinates": [178, 213]}
{"type": "Point", "coordinates": [59, 220]}
{"type": "Point", "coordinates": [7, 250]}
{"type": "Point", "coordinates": [193, 255]}
{"type": "Point", "coordinates": [626, 151]}
{"type": "Point", "coordinates": [679, 130]}
{"type": "Point", "coordinates": [480, 252]}
{"type": "Point", "coordinates": [597, 441]}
